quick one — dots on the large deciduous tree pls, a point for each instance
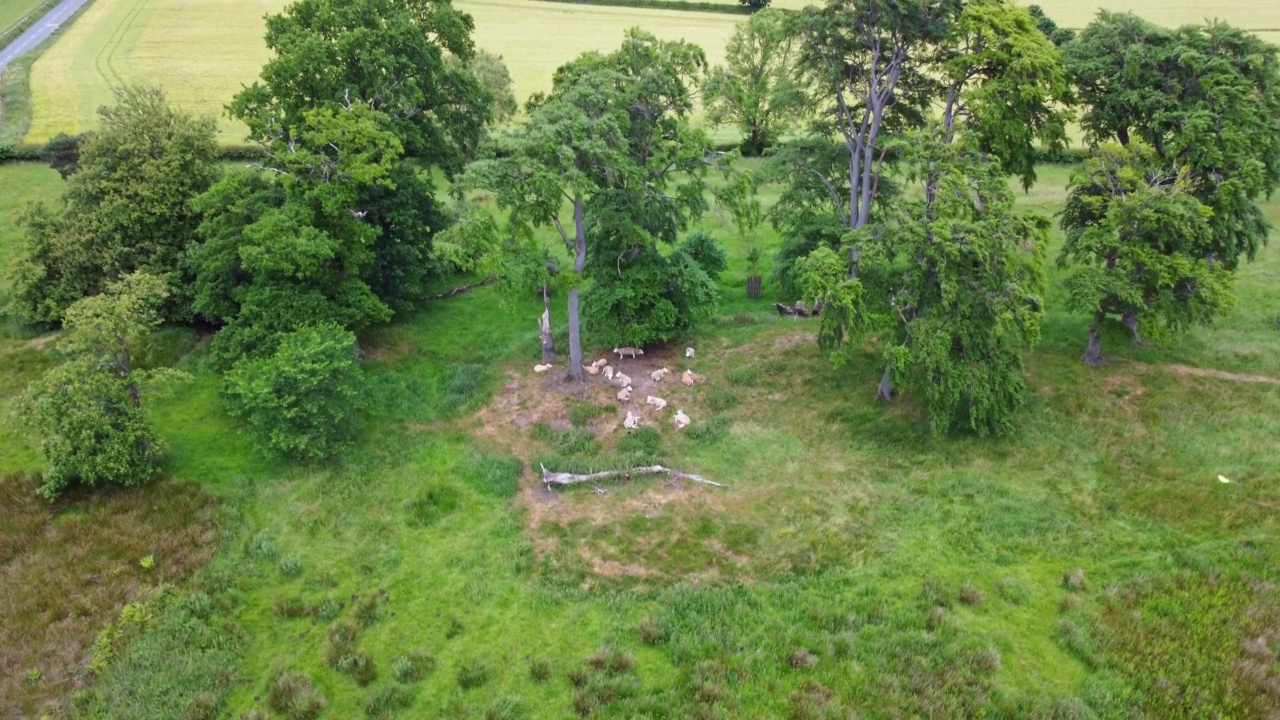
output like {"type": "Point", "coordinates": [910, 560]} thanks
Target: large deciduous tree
{"type": "Point", "coordinates": [1137, 242]}
{"type": "Point", "coordinates": [950, 274]}
{"type": "Point", "coordinates": [1205, 101]}
{"type": "Point", "coordinates": [757, 89]}
{"type": "Point", "coordinates": [88, 409]}
{"type": "Point", "coordinates": [612, 146]}
{"type": "Point", "coordinates": [391, 55]}
{"type": "Point", "coordinates": [127, 208]}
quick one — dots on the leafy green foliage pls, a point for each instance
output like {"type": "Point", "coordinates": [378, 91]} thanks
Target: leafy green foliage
{"type": "Point", "coordinates": [758, 89]}
{"type": "Point", "coordinates": [492, 74]}
{"type": "Point", "coordinates": [650, 298]}
{"type": "Point", "coordinates": [62, 152]}
{"type": "Point", "coordinates": [127, 208]}
{"type": "Point", "coordinates": [304, 400]}
{"type": "Point", "coordinates": [88, 409]}
{"type": "Point", "coordinates": [388, 54]}
{"type": "Point", "coordinates": [1140, 245]}
{"type": "Point", "coordinates": [702, 247]}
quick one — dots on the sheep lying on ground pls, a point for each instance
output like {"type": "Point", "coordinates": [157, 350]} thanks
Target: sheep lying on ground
{"type": "Point", "coordinates": [600, 363]}
{"type": "Point", "coordinates": [625, 351]}
{"type": "Point", "coordinates": [681, 420]}
{"type": "Point", "coordinates": [625, 394]}
{"type": "Point", "coordinates": [655, 401]}
{"type": "Point", "coordinates": [591, 369]}
{"type": "Point", "coordinates": [687, 377]}
{"type": "Point", "coordinates": [632, 421]}
{"type": "Point", "coordinates": [621, 379]}
{"type": "Point", "coordinates": [541, 368]}
{"type": "Point", "coordinates": [657, 375]}
{"type": "Point", "coordinates": [688, 352]}
{"type": "Point", "coordinates": [608, 372]}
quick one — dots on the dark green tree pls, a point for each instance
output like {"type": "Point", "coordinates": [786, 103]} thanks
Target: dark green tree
{"type": "Point", "coordinates": [614, 144]}
{"type": "Point", "coordinates": [88, 409]}
{"type": "Point", "coordinates": [62, 152]}
{"type": "Point", "coordinates": [1138, 245]}
{"type": "Point", "coordinates": [127, 208]}
{"type": "Point", "coordinates": [1059, 36]}
{"type": "Point", "coordinates": [304, 400]}
{"type": "Point", "coordinates": [758, 89]}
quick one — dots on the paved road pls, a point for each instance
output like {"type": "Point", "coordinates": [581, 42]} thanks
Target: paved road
{"type": "Point", "coordinates": [38, 33]}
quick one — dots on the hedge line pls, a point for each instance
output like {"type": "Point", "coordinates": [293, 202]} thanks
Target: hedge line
{"type": "Point", "coordinates": [691, 6]}
{"type": "Point", "coordinates": [28, 152]}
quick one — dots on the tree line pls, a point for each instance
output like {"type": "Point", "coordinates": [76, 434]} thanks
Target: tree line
{"type": "Point", "coordinates": [892, 127]}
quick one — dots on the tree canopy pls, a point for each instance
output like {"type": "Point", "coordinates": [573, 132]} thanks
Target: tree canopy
{"type": "Point", "coordinates": [127, 208]}
{"type": "Point", "coordinates": [758, 89]}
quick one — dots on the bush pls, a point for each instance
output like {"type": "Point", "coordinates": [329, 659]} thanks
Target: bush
{"type": "Point", "coordinates": [412, 667]}
{"type": "Point", "coordinates": [304, 400]}
{"type": "Point", "coordinates": [647, 299]}
{"type": "Point", "coordinates": [540, 670]}
{"type": "Point", "coordinates": [473, 674]}
{"type": "Point", "coordinates": [387, 700]}
{"type": "Point", "coordinates": [704, 250]}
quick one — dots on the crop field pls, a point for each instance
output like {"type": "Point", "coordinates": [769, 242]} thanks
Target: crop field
{"type": "Point", "coordinates": [1090, 566]}
{"type": "Point", "coordinates": [203, 52]}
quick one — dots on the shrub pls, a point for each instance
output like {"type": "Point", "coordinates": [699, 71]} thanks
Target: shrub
{"type": "Point", "coordinates": [702, 247]}
{"type": "Point", "coordinates": [611, 660]}
{"type": "Point", "coordinates": [652, 631]}
{"type": "Point", "coordinates": [359, 665]}
{"type": "Point", "coordinates": [647, 299]}
{"type": "Point", "coordinates": [304, 400]}
{"type": "Point", "coordinates": [293, 607]}
{"type": "Point", "coordinates": [970, 594]}
{"type": "Point", "coordinates": [387, 700]}
{"type": "Point", "coordinates": [290, 566]}
{"type": "Point", "coordinates": [292, 695]}
{"type": "Point", "coordinates": [412, 667]}
{"type": "Point", "coordinates": [801, 658]}
{"type": "Point", "coordinates": [1013, 591]}
{"type": "Point", "coordinates": [432, 504]}
{"type": "Point", "coordinates": [472, 674]}
{"type": "Point", "coordinates": [1073, 580]}
{"type": "Point", "coordinates": [340, 641]}
{"type": "Point", "coordinates": [369, 609]}
{"type": "Point", "coordinates": [505, 708]}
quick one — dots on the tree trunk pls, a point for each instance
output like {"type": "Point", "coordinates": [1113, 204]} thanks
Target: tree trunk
{"type": "Point", "coordinates": [575, 322]}
{"type": "Point", "coordinates": [544, 329]}
{"type": "Point", "coordinates": [884, 391]}
{"type": "Point", "coordinates": [1093, 353]}
{"type": "Point", "coordinates": [1130, 321]}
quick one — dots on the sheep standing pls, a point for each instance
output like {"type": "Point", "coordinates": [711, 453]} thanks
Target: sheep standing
{"type": "Point", "coordinates": [625, 351]}
{"type": "Point", "coordinates": [681, 420]}
{"type": "Point", "coordinates": [655, 401]}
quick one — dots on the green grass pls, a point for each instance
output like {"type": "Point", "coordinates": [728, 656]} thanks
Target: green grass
{"type": "Point", "coordinates": [854, 566]}
{"type": "Point", "coordinates": [13, 11]}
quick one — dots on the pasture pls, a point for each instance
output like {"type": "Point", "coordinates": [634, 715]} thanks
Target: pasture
{"type": "Point", "coordinates": [203, 52]}
{"type": "Point", "coordinates": [1090, 566]}
{"type": "Point", "coordinates": [12, 11]}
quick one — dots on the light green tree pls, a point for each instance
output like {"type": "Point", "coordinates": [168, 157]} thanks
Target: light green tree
{"type": "Point", "coordinates": [758, 88]}
{"type": "Point", "coordinates": [88, 409]}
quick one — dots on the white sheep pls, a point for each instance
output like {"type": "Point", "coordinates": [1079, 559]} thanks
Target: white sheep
{"type": "Point", "coordinates": [681, 420]}
{"type": "Point", "coordinates": [655, 401]}
{"type": "Point", "coordinates": [591, 369]}
{"type": "Point", "coordinates": [688, 352]}
{"type": "Point", "coordinates": [600, 363]}
{"type": "Point", "coordinates": [624, 351]}
{"type": "Point", "coordinates": [621, 379]}
{"type": "Point", "coordinates": [541, 368]}
{"type": "Point", "coordinates": [657, 375]}
{"type": "Point", "coordinates": [625, 394]}
{"type": "Point", "coordinates": [608, 372]}
{"type": "Point", "coordinates": [632, 421]}
{"type": "Point", "coordinates": [687, 377]}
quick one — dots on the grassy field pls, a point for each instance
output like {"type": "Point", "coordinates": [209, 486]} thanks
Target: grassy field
{"type": "Point", "coordinates": [11, 11]}
{"type": "Point", "coordinates": [203, 52]}
{"type": "Point", "coordinates": [1089, 566]}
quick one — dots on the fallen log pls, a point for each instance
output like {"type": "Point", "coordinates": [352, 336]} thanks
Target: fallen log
{"type": "Point", "coordinates": [561, 479]}
{"type": "Point", "coordinates": [468, 287]}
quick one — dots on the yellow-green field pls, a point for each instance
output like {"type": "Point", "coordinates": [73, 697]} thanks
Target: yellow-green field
{"type": "Point", "coordinates": [202, 52]}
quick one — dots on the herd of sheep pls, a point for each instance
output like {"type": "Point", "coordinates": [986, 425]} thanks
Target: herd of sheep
{"type": "Point", "coordinates": [617, 377]}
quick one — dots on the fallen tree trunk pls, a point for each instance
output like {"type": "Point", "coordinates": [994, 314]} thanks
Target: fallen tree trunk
{"type": "Point", "coordinates": [462, 289]}
{"type": "Point", "coordinates": [561, 479]}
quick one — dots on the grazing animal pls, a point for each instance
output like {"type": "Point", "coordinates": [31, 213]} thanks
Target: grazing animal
{"type": "Point", "coordinates": [541, 368]}
{"type": "Point", "coordinates": [681, 420]}
{"type": "Point", "coordinates": [600, 363]}
{"type": "Point", "coordinates": [625, 351]}
{"type": "Point", "coordinates": [688, 352]}
{"type": "Point", "coordinates": [657, 375]}
{"type": "Point", "coordinates": [687, 377]}
{"type": "Point", "coordinates": [591, 369]}
{"type": "Point", "coordinates": [621, 379]}
{"type": "Point", "coordinates": [608, 372]}
{"type": "Point", "coordinates": [625, 394]}
{"type": "Point", "coordinates": [632, 421]}
{"type": "Point", "coordinates": [655, 401]}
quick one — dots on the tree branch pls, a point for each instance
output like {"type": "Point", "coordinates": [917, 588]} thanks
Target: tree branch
{"type": "Point", "coordinates": [561, 479]}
